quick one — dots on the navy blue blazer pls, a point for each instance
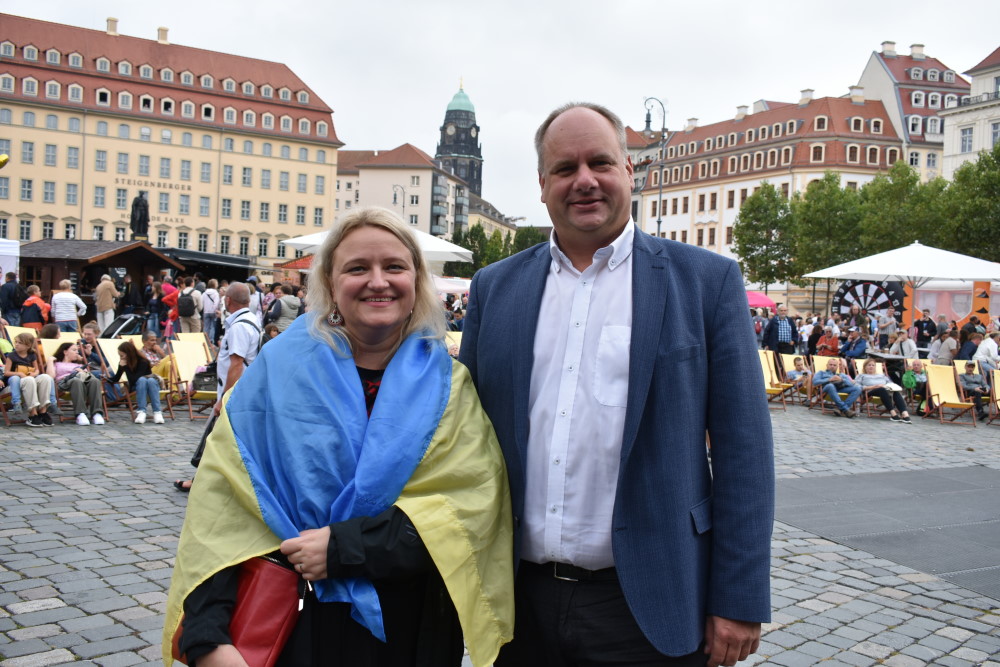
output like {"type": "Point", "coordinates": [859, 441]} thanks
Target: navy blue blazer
{"type": "Point", "coordinates": [691, 537]}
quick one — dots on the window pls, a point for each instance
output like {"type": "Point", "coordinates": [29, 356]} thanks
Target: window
{"type": "Point", "coordinates": [249, 118]}
{"type": "Point", "coordinates": [265, 212]}
{"type": "Point", "coordinates": [414, 200]}
{"type": "Point", "coordinates": [164, 206]}
{"type": "Point", "coordinates": [206, 81]}
{"type": "Point", "coordinates": [857, 124]}
{"type": "Point", "coordinates": [714, 199]}
{"type": "Point", "coordinates": [817, 153]}
{"type": "Point", "coordinates": [227, 174]}
{"type": "Point", "coordinates": [247, 88]}
{"type": "Point", "coordinates": [28, 119]}
{"type": "Point", "coordinates": [853, 153]}
{"type": "Point", "coordinates": [265, 179]}
{"type": "Point", "coordinates": [75, 93]}
{"type": "Point", "coordinates": [49, 192]}
{"type": "Point", "coordinates": [52, 90]}
{"type": "Point", "coordinates": [244, 246]}
{"type": "Point", "coordinates": [915, 124]}
{"type": "Point", "coordinates": [4, 190]}
{"type": "Point", "coordinates": [684, 205]}
{"type": "Point", "coordinates": [300, 215]}
{"type": "Point", "coordinates": [182, 240]}
{"type": "Point", "coordinates": [184, 205]}
{"type": "Point", "coordinates": [123, 163]}
{"type": "Point", "coordinates": [279, 251]}
{"type": "Point", "coordinates": [758, 160]}
{"type": "Point", "coordinates": [248, 147]}
{"type": "Point", "coordinates": [145, 134]}
{"type": "Point", "coordinates": [932, 160]}
{"type": "Point", "coordinates": [7, 51]}
{"type": "Point", "coordinates": [99, 196]}
{"type": "Point", "coordinates": [73, 157]}
{"type": "Point", "coordinates": [876, 126]}
{"type": "Point", "coordinates": [820, 123]}
{"type": "Point", "coordinates": [121, 198]}
{"type": "Point", "coordinates": [266, 91]}
{"type": "Point", "coordinates": [301, 184]}
{"type": "Point", "coordinates": [321, 156]}
{"type": "Point", "coordinates": [304, 154]}
{"type": "Point", "coordinates": [711, 236]}
{"type": "Point", "coordinates": [166, 136]}
{"type": "Point", "coordinates": [229, 115]}
{"type": "Point", "coordinates": [207, 112]}
{"type": "Point", "coordinates": [701, 203]}
{"type": "Point", "coordinates": [203, 242]}
{"type": "Point", "coordinates": [206, 172]}
{"type": "Point", "coordinates": [103, 65]}
{"type": "Point", "coordinates": [227, 208]}
{"type": "Point", "coordinates": [247, 179]}
{"type": "Point", "coordinates": [320, 184]}
{"type": "Point", "coordinates": [321, 129]}
{"type": "Point", "coordinates": [161, 239]}
{"type": "Point", "coordinates": [965, 140]}
{"type": "Point", "coordinates": [891, 156]}
{"type": "Point", "coordinates": [934, 100]}
{"type": "Point", "coordinates": [286, 124]}
{"type": "Point", "coordinates": [286, 152]}
{"type": "Point", "coordinates": [762, 133]}
{"type": "Point", "coordinates": [50, 155]}
{"type": "Point", "coordinates": [187, 109]}
{"type": "Point", "coordinates": [187, 139]}
{"type": "Point", "coordinates": [119, 233]}
{"type": "Point", "coordinates": [72, 194]}
{"type": "Point", "coordinates": [164, 167]}
{"type": "Point", "coordinates": [303, 126]}
{"type": "Point", "coordinates": [7, 83]}
{"type": "Point", "coordinates": [206, 141]}
{"type": "Point", "coordinates": [228, 144]}
{"type": "Point", "coordinates": [933, 125]}
{"type": "Point", "coordinates": [318, 216]}
{"type": "Point", "coordinates": [917, 98]}
{"type": "Point", "coordinates": [265, 149]}
{"type": "Point", "coordinates": [24, 233]}
{"type": "Point", "coordinates": [283, 180]}
{"type": "Point", "coordinates": [101, 160]}
{"type": "Point", "coordinates": [873, 154]}
{"type": "Point", "coordinates": [125, 68]}
{"type": "Point", "coordinates": [267, 121]}
{"type": "Point", "coordinates": [203, 206]}
{"type": "Point", "coordinates": [144, 165]}
{"type": "Point", "coordinates": [282, 212]}
{"type": "Point", "coordinates": [70, 230]}
{"type": "Point", "coordinates": [245, 209]}
{"type": "Point", "coordinates": [285, 95]}
{"type": "Point", "coordinates": [917, 73]}
{"type": "Point", "coordinates": [224, 244]}
{"type": "Point", "coordinates": [786, 155]}
{"type": "Point", "coordinates": [995, 134]}
{"type": "Point", "coordinates": [731, 199]}
{"type": "Point", "coordinates": [949, 76]}
{"type": "Point", "coordinates": [262, 247]}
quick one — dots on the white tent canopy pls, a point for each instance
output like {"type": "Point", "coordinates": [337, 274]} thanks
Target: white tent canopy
{"type": "Point", "coordinates": [914, 264]}
{"type": "Point", "coordinates": [10, 253]}
{"type": "Point", "coordinates": [435, 249]}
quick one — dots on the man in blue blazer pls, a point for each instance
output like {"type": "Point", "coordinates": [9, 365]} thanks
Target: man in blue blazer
{"type": "Point", "coordinates": [607, 359]}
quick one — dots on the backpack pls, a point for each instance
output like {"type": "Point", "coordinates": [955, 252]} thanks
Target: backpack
{"type": "Point", "coordinates": [19, 297]}
{"type": "Point", "coordinates": [274, 312]}
{"type": "Point", "coordinates": [185, 304]}
{"type": "Point", "coordinates": [758, 327]}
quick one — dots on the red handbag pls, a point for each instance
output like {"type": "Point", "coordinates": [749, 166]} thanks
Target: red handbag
{"type": "Point", "coordinates": [266, 609]}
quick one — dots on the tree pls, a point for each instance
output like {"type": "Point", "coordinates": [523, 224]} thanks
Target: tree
{"type": "Point", "coordinates": [974, 202]}
{"type": "Point", "coordinates": [826, 225]}
{"type": "Point", "coordinates": [896, 209]}
{"type": "Point", "coordinates": [525, 237]}
{"type": "Point", "coordinates": [762, 238]}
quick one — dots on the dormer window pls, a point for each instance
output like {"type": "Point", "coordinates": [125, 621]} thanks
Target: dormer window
{"type": "Point", "coordinates": [7, 49]}
{"type": "Point", "coordinates": [167, 74]}
{"type": "Point", "coordinates": [103, 97]}
{"type": "Point", "coordinates": [146, 103]}
{"type": "Point", "coordinates": [915, 124]}
{"type": "Point", "coordinates": [29, 86]}
{"type": "Point", "coordinates": [303, 97]}
{"type": "Point", "coordinates": [876, 126]}
{"type": "Point", "coordinates": [708, 144]}
{"type": "Point", "coordinates": [248, 88]}
{"type": "Point", "coordinates": [321, 129]}
{"type": "Point", "coordinates": [125, 68]}
{"type": "Point", "coordinates": [762, 133]}
{"type": "Point", "coordinates": [75, 93]}
{"type": "Point", "coordinates": [207, 112]}
{"type": "Point", "coordinates": [950, 101]}
{"type": "Point", "coordinates": [776, 130]}
{"type": "Point", "coordinates": [932, 75]}
{"type": "Point", "coordinates": [187, 109]}
{"type": "Point", "coordinates": [266, 91]}
{"type": "Point", "coordinates": [917, 73]}
{"type": "Point", "coordinates": [167, 106]}
{"type": "Point", "coordinates": [52, 57]}
{"type": "Point", "coordinates": [821, 123]}
{"type": "Point", "coordinates": [917, 98]}
{"type": "Point", "coordinates": [187, 79]}
{"type": "Point", "coordinates": [671, 150]}
{"type": "Point", "coordinates": [682, 150]}
{"type": "Point", "coordinates": [146, 72]}
{"type": "Point", "coordinates": [125, 100]}
{"type": "Point", "coordinates": [229, 115]}
{"type": "Point", "coordinates": [75, 60]}
{"type": "Point", "coordinates": [304, 126]}
{"type": "Point", "coordinates": [249, 118]}
{"type": "Point", "coordinates": [790, 127]}
{"type": "Point", "coordinates": [30, 53]}
{"type": "Point", "coordinates": [949, 76]}
{"type": "Point", "coordinates": [206, 81]}
{"type": "Point", "coordinates": [52, 90]}
{"type": "Point", "coordinates": [934, 100]}
{"type": "Point", "coordinates": [229, 86]}
{"type": "Point", "coordinates": [751, 136]}
{"type": "Point", "coordinates": [732, 138]}
{"type": "Point", "coordinates": [933, 125]}
{"type": "Point", "coordinates": [286, 124]}
{"type": "Point", "coordinates": [692, 148]}
{"type": "Point", "coordinates": [285, 95]}
{"type": "Point", "coordinates": [267, 121]}
{"type": "Point", "coordinates": [857, 125]}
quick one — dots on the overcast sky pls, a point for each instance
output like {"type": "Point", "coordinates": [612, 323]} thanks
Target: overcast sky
{"type": "Point", "coordinates": [389, 68]}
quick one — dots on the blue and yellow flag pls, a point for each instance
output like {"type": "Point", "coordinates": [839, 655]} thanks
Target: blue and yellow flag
{"type": "Point", "coordinates": [294, 449]}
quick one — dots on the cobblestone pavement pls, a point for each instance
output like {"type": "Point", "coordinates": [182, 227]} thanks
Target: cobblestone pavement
{"type": "Point", "coordinates": [88, 526]}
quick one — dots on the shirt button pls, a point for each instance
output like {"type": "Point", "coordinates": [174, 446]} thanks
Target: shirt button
{"type": "Point", "coordinates": [576, 324]}
{"type": "Point", "coordinates": [569, 368]}
{"type": "Point", "coordinates": [562, 413]}
{"type": "Point", "coordinates": [555, 461]}
{"type": "Point", "coordinates": [553, 510]}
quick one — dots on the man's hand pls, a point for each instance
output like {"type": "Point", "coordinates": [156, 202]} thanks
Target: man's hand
{"type": "Point", "coordinates": [727, 642]}
{"type": "Point", "coordinates": [307, 552]}
{"type": "Point", "coordinates": [225, 655]}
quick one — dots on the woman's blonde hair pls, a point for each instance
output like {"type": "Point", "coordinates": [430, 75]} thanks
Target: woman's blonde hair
{"type": "Point", "coordinates": [427, 316]}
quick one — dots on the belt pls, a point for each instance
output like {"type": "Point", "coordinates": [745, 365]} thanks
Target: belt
{"type": "Point", "coordinates": [567, 572]}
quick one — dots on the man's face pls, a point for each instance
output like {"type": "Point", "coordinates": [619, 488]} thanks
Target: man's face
{"type": "Point", "coordinates": [833, 365]}
{"type": "Point", "coordinates": [970, 369]}
{"type": "Point", "coordinates": [782, 311]}
{"type": "Point", "coordinates": [586, 181]}
{"type": "Point", "coordinates": [917, 366]}
{"type": "Point", "coordinates": [891, 312]}
{"type": "Point", "coordinates": [90, 336]}
{"type": "Point", "coordinates": [927, 314]}
{"type": "Point", "coordinates": [853, 335]}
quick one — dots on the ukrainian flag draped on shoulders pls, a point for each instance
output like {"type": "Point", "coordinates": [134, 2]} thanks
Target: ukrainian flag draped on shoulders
{"type": "Point", "coordinates": [294, 449]}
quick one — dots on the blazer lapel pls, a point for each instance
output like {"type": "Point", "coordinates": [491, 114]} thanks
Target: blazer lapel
{"type": "Point", "coordinates": [529, 287]}
{"type": "Point", "coordinates": [649, 300]}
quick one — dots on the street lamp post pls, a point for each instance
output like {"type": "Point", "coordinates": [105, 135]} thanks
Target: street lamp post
{"type": "Point", "coordinates": [663, 137]}
{"type": "Point", "coordinates": [401, 189]}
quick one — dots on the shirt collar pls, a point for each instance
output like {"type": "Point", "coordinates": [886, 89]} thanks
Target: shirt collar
{"type": "Point", "coordinates": [232, 317]}
{"type": "Point", "coordinates": [613, 255]}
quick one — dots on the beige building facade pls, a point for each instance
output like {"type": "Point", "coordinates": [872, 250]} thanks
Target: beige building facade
{"type": "Point", "coordinates": [232, 159]}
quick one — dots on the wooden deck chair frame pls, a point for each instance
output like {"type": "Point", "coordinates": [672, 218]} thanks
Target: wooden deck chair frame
{"type": "Point", "coordinates": [960, 366]}
{"type": "Point", "coordinates": [817, 398]}
{"type": "Point", "coordinates": [865, 400]}
{"type": "Point", "coordinates": [773, 386]}
{"type": "Point", "coordinates": [109, 347]}
{"type": "Point", "coordinates": [993, 416]}
{"type": "Point", "coordinates": [7, 398]}
{"type": "Point", "coordinates": [14, 331]}
{"type": "Point", "coordinates": [943, 398]}
{"type": "Point", "coordinates": [788, 364]}
{"type": "Point", "coordinates": [188, 355]}
{"type": "Point", "coordinates": [63, 400]}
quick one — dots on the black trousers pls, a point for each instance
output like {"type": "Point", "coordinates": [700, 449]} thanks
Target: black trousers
{"type": "Point", "coordinates": [586, 623]}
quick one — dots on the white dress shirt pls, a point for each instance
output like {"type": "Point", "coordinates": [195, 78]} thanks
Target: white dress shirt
{"type": "Point", "coordinates": [579, 386]}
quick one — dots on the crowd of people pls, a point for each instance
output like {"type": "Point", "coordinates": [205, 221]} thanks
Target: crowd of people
{"type": "Point", "coordinates": [836, 341]}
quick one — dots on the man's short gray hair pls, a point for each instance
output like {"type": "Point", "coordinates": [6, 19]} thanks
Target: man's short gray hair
{"type": "Point", "coordinates": [612, 118]}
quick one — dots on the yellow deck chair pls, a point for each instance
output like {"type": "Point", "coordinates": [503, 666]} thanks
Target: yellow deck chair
{"type": "Point", "coordinates": [788, 364]}
{"type": "Point", "coordinates": [109, 347]}
{"type": "Point", "coordinates": [994, 415]}
{"type": "Point", "coordinates": [943, 398]}
{"type": "Point", "coordinates": [14, 331]}
{"type": "Point", "coordinates": [48, 347]}
{"type": "Point", "coordinates": [960, 366]}
{"type": "Point", "coordinates": [135, 338]}
{"type": "Point", "coordinates": [773, 386]}
{"type": "Point", "coordinates": [188, 356]}
{"type": "Point", "coordinates": [199, 337]}
{"type": "Point", "coordinates": [859, 367]}
{"type": "Point", "coordinates": [453, 338]}
{"type": "Point", "coordinates": [818, 399]}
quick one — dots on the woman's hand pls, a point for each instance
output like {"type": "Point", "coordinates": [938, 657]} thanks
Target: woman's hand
{"type": "Point", "coordinates": [307, 552]}
{"type": "Point", "coordinates": [225, 655]}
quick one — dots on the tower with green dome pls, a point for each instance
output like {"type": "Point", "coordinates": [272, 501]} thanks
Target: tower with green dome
{"type": "Point", "coordinates": [459, 151]}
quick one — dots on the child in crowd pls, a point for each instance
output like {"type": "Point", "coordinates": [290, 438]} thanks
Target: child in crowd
{"type": "Point", "coordinates": [28, 385]}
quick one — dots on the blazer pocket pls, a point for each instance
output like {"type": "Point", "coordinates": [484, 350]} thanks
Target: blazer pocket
{"type": "Point", "coordinates": [701, 516]}
{"type": "Point", "coordinates": [681, 354]}
{"type": "Point", "coordinates": [611, 366]}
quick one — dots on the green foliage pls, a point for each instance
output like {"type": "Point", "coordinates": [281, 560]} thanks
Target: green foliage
{"type": "Point", "coordinates": [488, 250]}
{"type": "Point", "coordinates": [974, 202]}
{"type": "Point", "coordinates": [897, 209]}
{"type": "Point", "coordinates": [826, 223]}
{"type": "Point", "coordinates": [762, 238]}
{"type": "Point", "coordinates": [525, 237]}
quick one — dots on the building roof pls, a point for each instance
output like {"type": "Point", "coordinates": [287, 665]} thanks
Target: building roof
{"type": "Point", "coordinates": [303, 262]}
{"type": "Point", "coordinates": [636, 140]}
{"type": "Point", "coordinates": [90, 252]}
{"type": "Point", "coordinates": [348, 161]}
{"type": "Point", "coordinates": [461, 102]}
{"type": "Point", "coordinates": [899, 67]}
{"type": "Point", "coordinates": [95, 44]}
{"type": "Point", "coordinates": [991, 61]}
{"type": "Point", "coordinates": [406, 155]}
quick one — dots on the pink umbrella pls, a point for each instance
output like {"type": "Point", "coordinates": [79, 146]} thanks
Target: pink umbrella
{"type": "Point", "coordinates": [759, 300]}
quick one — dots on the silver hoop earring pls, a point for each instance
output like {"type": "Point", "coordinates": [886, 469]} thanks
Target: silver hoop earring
{"type": "Point", "coordinates": [335, 318]}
